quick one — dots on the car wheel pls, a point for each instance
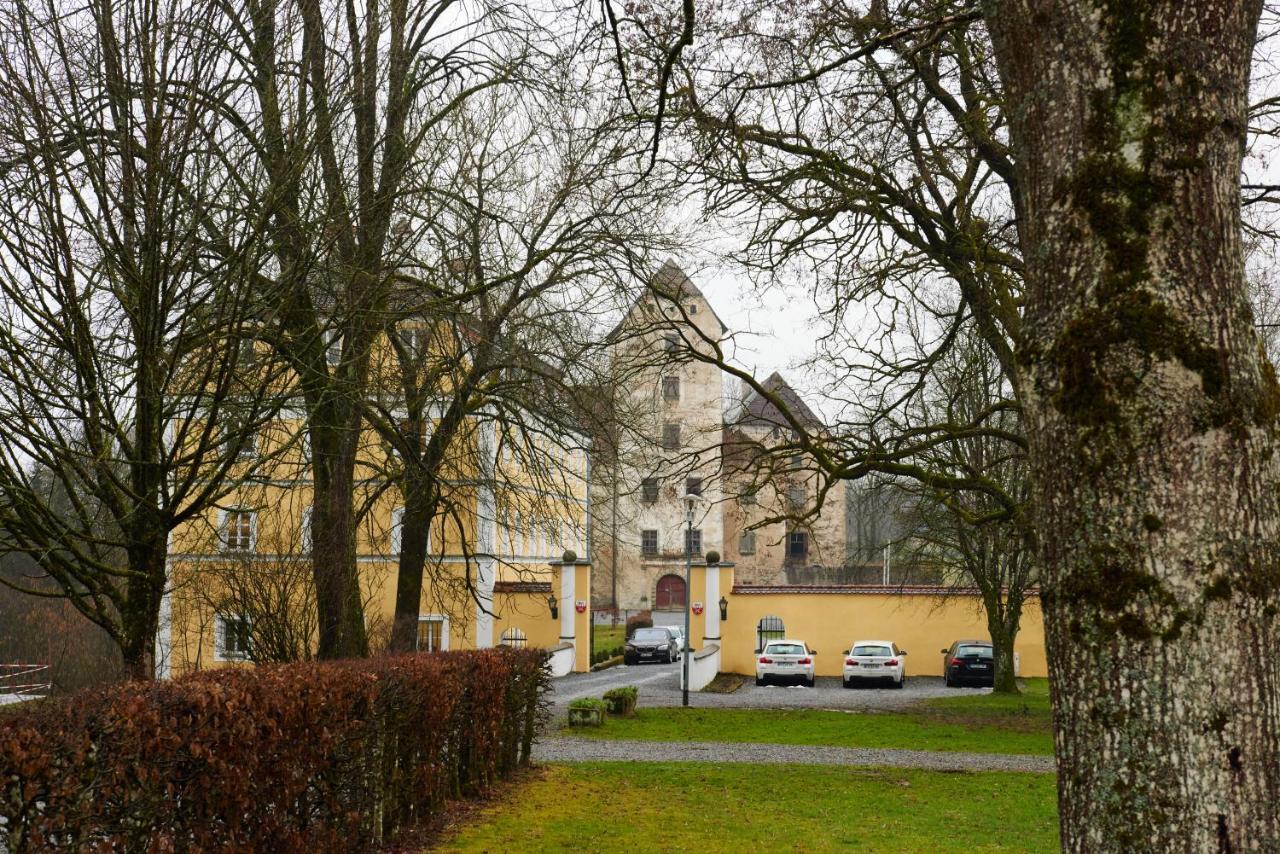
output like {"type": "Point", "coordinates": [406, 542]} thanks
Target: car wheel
{"type": "Point", "coordinates": [947, 680]}
{"type": "Point", "coordinates": [846, 683]}
{"type": "Point", "coordinates": [808, 683]}
{"type": "Point", "coordinates": [759, 681]}
{"type": "Point", "coordinates": [902, 681]}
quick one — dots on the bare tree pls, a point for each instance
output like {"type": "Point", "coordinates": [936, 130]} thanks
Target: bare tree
{"type": "Point", "coordinates": [340, 102]}
{"type": "Point", "coordinates": [966, 533]}
{"type": "Point", "coordinates": [526, 239]}
{"type": "Point", "coordinates": [121, 335]}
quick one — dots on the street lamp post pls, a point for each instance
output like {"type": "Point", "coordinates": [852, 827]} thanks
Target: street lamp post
{"type": "Point", "coordinates": [690, 501]}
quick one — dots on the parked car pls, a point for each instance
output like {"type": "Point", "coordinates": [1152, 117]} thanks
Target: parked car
{"type": "Point", "coordinates": [652, 644]}
{"type": "Point", "coordinates": [785, 659]}
{"type": "Point", "coordinates": [875, 659]}
{"type": "Point", "coordinates": [678, 631]}
{"type": "Point", "coordinates": [969, 662]}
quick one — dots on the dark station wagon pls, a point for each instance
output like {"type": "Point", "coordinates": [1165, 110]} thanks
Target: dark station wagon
{"type": "Point", "coordinates": [969, 662]}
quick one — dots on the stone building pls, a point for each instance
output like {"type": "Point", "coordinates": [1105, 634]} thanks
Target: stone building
{"type": "Point", "coordinates": [681, 434]}
{"type": "Point", "coordinates": [669, 405]}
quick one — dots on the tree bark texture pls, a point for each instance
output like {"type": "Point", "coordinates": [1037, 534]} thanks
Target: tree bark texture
{"type": "Point", "coordinates": [339, 603]}
{"type": "Point", "coordinates": [1151, 413]}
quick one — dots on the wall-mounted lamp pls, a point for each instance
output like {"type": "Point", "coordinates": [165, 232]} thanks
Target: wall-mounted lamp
{"type": "Point", "coordinates": [554, 606]}
{"type": "Point", "coordinates": [724, 608]}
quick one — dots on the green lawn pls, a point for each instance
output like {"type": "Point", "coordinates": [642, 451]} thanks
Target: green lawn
{"type": "Point", "coordinates": [629, 807]}
{"type": "Point", "coordinates": [971, 723]}
{"type": "Point", "coordinates": [608, 637]}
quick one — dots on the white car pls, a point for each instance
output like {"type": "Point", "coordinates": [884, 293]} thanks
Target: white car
{"type": "Point", "coordinates": [785, 659]}
{"type": "Point", "coordinates": [875, 659]}
{"type": "Point", "coordinates": [678, 631]}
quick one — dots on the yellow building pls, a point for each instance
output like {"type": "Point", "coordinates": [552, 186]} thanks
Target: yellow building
{"type": "Point", "coordinates": [240, 574]}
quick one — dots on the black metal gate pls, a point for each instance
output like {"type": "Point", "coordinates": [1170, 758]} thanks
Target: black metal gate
{"type": "Point", "coordinates": [769, 628]}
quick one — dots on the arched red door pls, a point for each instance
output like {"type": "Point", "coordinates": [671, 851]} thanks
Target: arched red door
{"type": "Point", "coordinates": [670, 593]}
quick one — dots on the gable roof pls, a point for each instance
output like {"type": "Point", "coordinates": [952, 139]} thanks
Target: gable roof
{"type": "Point", "coordinates": [672, 282]}
{"type": "Point", "coordinates": [757, 410]}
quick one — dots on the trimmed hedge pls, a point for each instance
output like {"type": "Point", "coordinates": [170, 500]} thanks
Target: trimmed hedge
{"type": "Point", "coordinates": [316, 756]}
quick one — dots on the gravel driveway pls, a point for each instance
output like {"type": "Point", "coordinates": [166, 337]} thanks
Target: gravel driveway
{"type": "Point", "coordinates": [557, 749]}
{"type": "Point", "coordinates": [659, 685]}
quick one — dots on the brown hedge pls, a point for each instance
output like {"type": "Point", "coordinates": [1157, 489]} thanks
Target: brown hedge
{"type": "Point", "coordinates": [306, 756]}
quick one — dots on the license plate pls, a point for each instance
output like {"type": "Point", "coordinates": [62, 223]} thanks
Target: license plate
{"type": "Point", "coordinates": [979, 666]}
{"type": "Point", "coordinates": [783, 663]}
{"type": "Point", "coordinates": [870, 665]}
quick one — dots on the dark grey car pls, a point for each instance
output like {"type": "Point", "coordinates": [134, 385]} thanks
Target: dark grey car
{"type": "Point", "coordinates": [653, 644]}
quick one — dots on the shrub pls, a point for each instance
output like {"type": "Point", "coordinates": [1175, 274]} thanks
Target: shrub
{"type": "Point", "coordinates": [295, 757]}
{"type": "Point", "coordinates": [643, 620]}
{"type": "Point", "coordinates": [621, 701]}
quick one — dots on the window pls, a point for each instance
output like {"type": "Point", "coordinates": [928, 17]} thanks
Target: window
{"type": "Point", "coordinates": [246, 355]}
{"type": "Point", "coordinates": [693, 308]}
{"type": "Point", "coordinates": [238, 434]}
{"type": "Point", "coordinates": [433, 633]}
{"type": "Point", "coordinates": [693, 486]}
{"type": "Point", "coordinates": [797, 462]}
{"type": "Point", "coordinates": [232, 637]}
{"type": "Point", "coordinates": [797, 544]}
{"type": "Point", "coordinates": [397, 529]}
{"type": "Point", "coordinates": [796, 494]}
{"type": "Point", "coordinates": [671, 343]}
{"type": "Point", "coordinates": [304, 530]}
{"type": "Point", "coordinates": [513, 637]}
{"type": "Point", "coordinates": [670, 388]}
{"type": "Point", "coordinates": [649, 490]}
{"type": "Point", "coordinates": [333, 348]}
{"type": "Point", "coordinates": [671, 435]}
{"type": "Point", "coordinates": [649, 542]}
{"type": "Point", "coordinates": [237, 530]}
{"type": "Point", "coordinates": [748, 498]}
{"type": "Point", "coordinates": [693, 541]}
{"type": "Point", "coordinates": [413, 340]}
{"type": "Point", "coordinates": [747, 543]}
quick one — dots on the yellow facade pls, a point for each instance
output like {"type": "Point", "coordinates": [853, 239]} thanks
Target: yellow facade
{"type": "Point", "coordinates": [489, 571]}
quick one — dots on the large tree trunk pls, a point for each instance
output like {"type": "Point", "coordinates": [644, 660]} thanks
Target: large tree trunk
{"type": "Point", "coordinates": [1151, 412]}
{"type": "Point", "coordinates": [339, 603]}
{"type": "Point", "coordinates": [419, 508]}
{"type": "Point", "coordinates": [140, 617]}
{"type": "Point", "coordinates": [1002, 623]}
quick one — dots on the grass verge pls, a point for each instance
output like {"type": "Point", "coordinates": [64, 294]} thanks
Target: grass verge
{"type": "Point", "coordinates": [973, 723]}
{"type": "Point", "coordinates": [608, 637]}
{"type": "Point", "coordinates": [629, 807]}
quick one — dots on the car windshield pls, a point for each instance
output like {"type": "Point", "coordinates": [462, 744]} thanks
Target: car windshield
{"type": "Point", "coordinates": [876, 651]}
{"type": "Point", "coordinates": [651, 635]}
{"type": "Point", "coordinates": [785, 649]}
{"type": "Point", "coordinates": [973, 651]}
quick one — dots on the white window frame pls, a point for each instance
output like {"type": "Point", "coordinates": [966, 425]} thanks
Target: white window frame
{"type": "Point", "coordinates": [224, 532]}
{"type": "Point", "coordinates": [333, 348]}
{"type": "Point", "coordinates": [397, 530]}
{"type": "Point", "coordinates": [220, 652]}
{"type": "Point", "coordinates": [305, 539]}
{"type": "Point", "coordinates": [444, 631]}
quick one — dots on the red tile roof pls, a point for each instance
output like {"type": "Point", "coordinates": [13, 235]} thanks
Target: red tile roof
{"type": "Point", "coordinates": [861, 589]}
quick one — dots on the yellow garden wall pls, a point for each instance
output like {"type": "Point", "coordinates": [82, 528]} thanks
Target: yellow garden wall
{"type": "Point", "coordinates": [830, 619]}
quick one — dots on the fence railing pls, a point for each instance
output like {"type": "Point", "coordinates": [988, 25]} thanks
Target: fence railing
{"type": "Point", "coordinates": [21, 682]}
